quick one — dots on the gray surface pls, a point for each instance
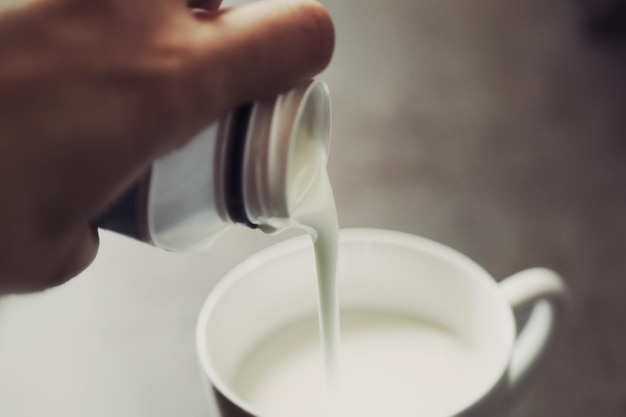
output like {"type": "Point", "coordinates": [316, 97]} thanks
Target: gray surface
{"type": "Point", "coordinates": [494, 127]}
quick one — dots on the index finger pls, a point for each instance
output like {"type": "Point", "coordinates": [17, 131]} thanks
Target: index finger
{"type": "Point", "coordinates": [259, 50]}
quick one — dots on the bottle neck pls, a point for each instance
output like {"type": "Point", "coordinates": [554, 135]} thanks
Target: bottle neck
{"type": "Point", "coordinates": [263, 154]}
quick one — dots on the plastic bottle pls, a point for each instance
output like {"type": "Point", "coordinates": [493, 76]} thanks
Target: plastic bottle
{"type": "Point", "coordinates": [236, 171]}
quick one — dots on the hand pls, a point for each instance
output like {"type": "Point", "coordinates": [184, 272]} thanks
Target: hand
{"type": "Point", "coordinates": [91, 92]}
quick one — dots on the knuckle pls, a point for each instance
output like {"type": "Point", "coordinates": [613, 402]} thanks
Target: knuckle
{"type": "Point", "coordinates": [164, 88]}
{"type": "Point", "coordinates": [166, 70]}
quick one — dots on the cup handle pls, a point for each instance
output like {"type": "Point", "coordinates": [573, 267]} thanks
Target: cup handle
{"type": "Point", "coordinates": [546, 290]}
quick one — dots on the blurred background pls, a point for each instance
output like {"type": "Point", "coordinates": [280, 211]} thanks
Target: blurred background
{"type": "Point", "coordinates": [495, 127]}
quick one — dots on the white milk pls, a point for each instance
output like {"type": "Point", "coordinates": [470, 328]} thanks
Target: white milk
{"type": "Point", "coordinates": [313, 209]}
{"type": "Point", "coordinates": [387, 365]}
{"type": "Point", "coordinates": [391, 366]}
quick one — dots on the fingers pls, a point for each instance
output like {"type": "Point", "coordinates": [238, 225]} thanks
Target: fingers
{"type": "Point", "coordinates": [261, 49]}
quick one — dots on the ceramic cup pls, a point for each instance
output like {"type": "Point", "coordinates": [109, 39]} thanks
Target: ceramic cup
{"type": "Point", "coordinates": [395, 273]}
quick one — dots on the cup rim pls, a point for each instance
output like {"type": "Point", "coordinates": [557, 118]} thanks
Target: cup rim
{"type": "Point", "coordinates": [422, 244]}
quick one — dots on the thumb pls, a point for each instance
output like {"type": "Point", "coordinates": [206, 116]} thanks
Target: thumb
{"type": "Point", "coordinates": [259, 50]}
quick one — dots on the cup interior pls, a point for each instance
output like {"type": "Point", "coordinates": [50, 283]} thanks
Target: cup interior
{"type": "Point", "coordinates": [378, 270]}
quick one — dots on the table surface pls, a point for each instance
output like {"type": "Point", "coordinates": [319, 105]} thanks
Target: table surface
{"type": "Point", "coordinates": [494, 127]}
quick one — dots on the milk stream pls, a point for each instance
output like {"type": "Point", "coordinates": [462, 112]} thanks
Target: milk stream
{"type": "Point", "coordinates": [313, 209]}
{"type": "Point", "coordinates": [389, 364]}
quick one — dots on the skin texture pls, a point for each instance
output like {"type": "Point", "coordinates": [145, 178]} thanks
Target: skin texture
{"type": "Point", "coordinates": [91, 92]}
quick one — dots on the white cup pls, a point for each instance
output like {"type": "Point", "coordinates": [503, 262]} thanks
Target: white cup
{"type": "Point", "coordinates": [394, 272]}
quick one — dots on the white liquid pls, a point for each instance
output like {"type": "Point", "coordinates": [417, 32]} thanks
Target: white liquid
{"type": "Point", "coordinates": [386, 366]}
{"type": "Point", "coordinates": [313, 209]}
{"type": "Point", "coordinates": [391, 366]}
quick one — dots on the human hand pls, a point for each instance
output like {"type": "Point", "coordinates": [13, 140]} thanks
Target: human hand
{"type": "Point", "coordinates": [91, 92]}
